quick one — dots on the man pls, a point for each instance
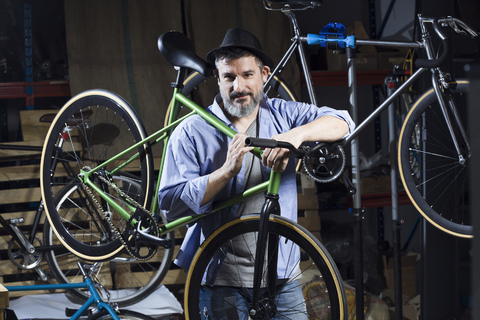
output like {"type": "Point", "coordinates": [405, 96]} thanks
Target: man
{"type": "Point", "coordinates": [203, 166]}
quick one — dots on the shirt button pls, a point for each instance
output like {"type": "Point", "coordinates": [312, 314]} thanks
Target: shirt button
{"type": "Point", "coordinates": [239, 180]}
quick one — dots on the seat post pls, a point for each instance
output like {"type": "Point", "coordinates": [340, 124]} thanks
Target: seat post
{"type": "Point", "coordinates": [178, 84]}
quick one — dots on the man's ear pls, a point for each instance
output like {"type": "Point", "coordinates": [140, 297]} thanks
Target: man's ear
{"type": "Point", "coordinates": [265, 71]}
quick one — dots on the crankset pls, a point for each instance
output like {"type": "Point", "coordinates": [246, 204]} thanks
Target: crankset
{"type": "Point", "coordinates": [23, 259]}
{"type": "Point", "coordinates": [325, 162]}
{"type": "Point", "coordinates": [137, 238]}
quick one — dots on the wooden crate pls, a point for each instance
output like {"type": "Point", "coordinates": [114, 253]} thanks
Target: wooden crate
{"type": "Point", "coordinates": [20, 194]}
{"type": "Point", "coordinates": [4, 302]}
{"type": "Point", "coordinates": [308, 206]}
{"type": "Point", "coordinates": [19, 198]}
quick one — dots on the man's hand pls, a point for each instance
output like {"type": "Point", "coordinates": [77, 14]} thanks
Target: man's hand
{"type": "Point", "coordinates": [277, 158]}
{"type": "Point", "coordinates": [235, 154]}
{"type": "Point", "coordinates": [232, 166]}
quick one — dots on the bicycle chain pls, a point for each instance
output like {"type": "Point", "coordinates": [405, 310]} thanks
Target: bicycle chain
{"type": "Point", "coordinates": [109, 220]}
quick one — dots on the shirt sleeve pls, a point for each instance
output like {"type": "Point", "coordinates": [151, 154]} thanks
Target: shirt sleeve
{"type": "Point", "coordinates": [299, 113]}
{"type": "Point", "coordinates": [182, 187]}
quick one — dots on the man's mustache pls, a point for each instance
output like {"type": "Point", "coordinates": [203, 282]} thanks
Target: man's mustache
{"type": "Point", "coordinates": [235, 95]}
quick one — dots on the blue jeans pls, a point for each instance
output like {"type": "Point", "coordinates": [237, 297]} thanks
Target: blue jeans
{"type": "Point", "coordinates": [232, 302]}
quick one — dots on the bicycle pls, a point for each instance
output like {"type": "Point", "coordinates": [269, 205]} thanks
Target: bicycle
{"type": "Point", "coordinates": [101, 309]}
{"type": "Point", "coordinates": [437, 187]}
{"type": "Point", "coordinates": [97, 221]}
{"type": "Point", "coordinates": [50, 259]}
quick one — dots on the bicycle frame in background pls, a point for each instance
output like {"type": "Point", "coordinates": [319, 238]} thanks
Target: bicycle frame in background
{"type": "Point", "coordinates": [96, 300]}
{"type": "Point", "coordinates": [440, 82]}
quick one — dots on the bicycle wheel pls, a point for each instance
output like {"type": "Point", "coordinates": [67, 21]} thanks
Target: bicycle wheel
{"type": "Point", "coordinates": [434, 178]}
{"type": "Point", "coordinates": [314, 271]}
{"type": "Point", "coordinates": [91, 128]}
{"type": "Point", "coordinates": [122, 314]}
{"type": "Point", "coordinates": [128, 280]}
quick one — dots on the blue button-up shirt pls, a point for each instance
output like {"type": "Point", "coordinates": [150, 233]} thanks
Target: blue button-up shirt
{"type": "Point", "coordinates": [196, 149]}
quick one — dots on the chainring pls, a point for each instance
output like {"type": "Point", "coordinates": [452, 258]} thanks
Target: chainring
{"type": "Point", "coordinates": [325, 162]}
{"type": "Point", "coordinates": [137, 248]}
{"type": "Point", "coordinates": [23, 259]}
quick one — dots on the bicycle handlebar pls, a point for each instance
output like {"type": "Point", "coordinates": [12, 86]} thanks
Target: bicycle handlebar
{"type": "Point", "coordinates": [454, 23]}
{"type": "Point", "coordinates": [272, 143]}
{"type": "Point", "coordinates": [425, 63]}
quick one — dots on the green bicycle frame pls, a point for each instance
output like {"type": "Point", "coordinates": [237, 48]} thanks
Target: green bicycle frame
{"type": "Point", "coordinates": [271, 186]}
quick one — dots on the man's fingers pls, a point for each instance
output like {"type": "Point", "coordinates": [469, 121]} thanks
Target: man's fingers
{"type": "Point", "coordinates": [277, 159]}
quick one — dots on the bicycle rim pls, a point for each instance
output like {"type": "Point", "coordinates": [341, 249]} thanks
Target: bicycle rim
{"type": "Point", "coordinates": [127, 279]}
{"type": "Point", "coordinates": [434, 179]}
{"type": "Point", "coordinates": [91, 128]}
{"type": "Point", "coordinates": [310, 269]}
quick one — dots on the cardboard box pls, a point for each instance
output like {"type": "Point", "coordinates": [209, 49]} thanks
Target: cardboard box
{"type": "Point", "coordinates": [366, 55]}
{"type": "Point", "coordinates": [338, 62]}
{"type": "Point", "coordinates": [386, 60]}
{"type": "Point", "coordinates": [376, 184]}
{"type": "Point", "coordinates": [410, 308]}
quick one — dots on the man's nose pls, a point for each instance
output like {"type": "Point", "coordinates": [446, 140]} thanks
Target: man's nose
{"type": "Point", "coordinates": [239, 84]}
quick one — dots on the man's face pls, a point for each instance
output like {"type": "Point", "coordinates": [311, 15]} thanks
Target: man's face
{"type": "Point", "coordinates": [241, 85]}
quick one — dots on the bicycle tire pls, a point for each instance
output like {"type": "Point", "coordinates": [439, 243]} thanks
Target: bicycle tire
{"type": "Point", "coordinates": [122, 314]}
{"type": "Point", "coordinates": [434, 180]}
{"type": "Point", "coordinates": [128, 280]}
{"type": "Point", "coordinates": [93, 126]}
{"type": "Point", "coordinates": [319, 271]}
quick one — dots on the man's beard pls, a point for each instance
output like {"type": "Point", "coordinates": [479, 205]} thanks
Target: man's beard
{"type": "Point", "coordinates": [245, 109]}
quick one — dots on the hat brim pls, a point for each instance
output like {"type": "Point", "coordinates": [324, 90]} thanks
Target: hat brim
{"type": "Point", "coordinates": [262, 55]}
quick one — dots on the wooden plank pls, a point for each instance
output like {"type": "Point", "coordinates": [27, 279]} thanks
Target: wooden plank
{"type": "Point", "coordinates": [14, 155]}
{"type": "Point", "coordinates": [32, 128]}
{"type": "Point", "coordinates": [175, 276]}
{"type": "Point", "coordinates": [307, 201]}
{"type": "Point", "coordinates": [11, 196]}
{"type": "Point", "coordinates": [17, 173]}
{"type": "Point", "coordinates": [3, 297]}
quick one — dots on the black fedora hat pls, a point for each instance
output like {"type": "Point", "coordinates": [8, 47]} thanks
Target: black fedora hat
{"type": "Point", "coordinates": [236, 37]}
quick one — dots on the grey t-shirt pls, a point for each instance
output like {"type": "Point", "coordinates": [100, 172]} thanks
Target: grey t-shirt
{"type": "Point", "coordinates": [237, 268]}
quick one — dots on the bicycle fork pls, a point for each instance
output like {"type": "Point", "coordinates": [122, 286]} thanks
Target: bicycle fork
{"type": "Point", "coordinates": [262, 307]}
{"type": "Point", "coordinates": [438, 85]}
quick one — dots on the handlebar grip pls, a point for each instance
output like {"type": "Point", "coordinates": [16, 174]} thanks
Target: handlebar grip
{"type": "Point", "coordinates": [425, 63]}
{"type": "Point", "coordinates": [261, 143]}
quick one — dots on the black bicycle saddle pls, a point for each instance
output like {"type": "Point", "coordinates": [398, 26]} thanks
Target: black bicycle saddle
{"type": "Point", "coordinates": [179, 51]}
